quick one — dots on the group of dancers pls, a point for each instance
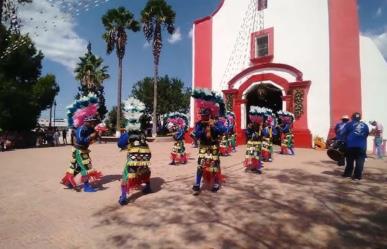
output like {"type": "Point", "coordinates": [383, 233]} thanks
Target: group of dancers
{"type": "Point", "coordinates": [260, 132]}
{"type": "Point", "coordinates": [214, 132]}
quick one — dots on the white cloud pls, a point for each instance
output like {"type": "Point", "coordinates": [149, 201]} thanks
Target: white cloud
{"type": "Point", "coordinates": [175, 37]}
{"type": "Point", "coordinates": [378, 12]}
{"type": "Point", "coordinates": [190, 33]}
{"type": "Point", "coordinates": [52, 31]}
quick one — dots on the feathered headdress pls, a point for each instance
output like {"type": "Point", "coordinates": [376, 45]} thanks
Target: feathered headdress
{"type": "Point", "coordinates": [177, 119]}
{"type": "Point", "coordinates": [81, 110]}
{"type": "Point", "coordinates": [270, 118]}
{"type": "Point", "coordinates": [133, 110]}
{"type": "Point", "coordinates": [257, 113]}
{"type": "Point", "coordinates": [286, 116]}
{"type": "Point", "coordinates": [209, 100]}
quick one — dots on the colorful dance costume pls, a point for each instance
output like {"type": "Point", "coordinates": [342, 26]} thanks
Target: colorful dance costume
{"type": "Point", "coordinates": [230, 116]}
{"type": "Point", "coordinates": [178, 124]}
{"type": "Point", "coordinates": [82, 116]}
{"type": "Point", "coordinates": [208, 131]}
{"type": "Point", "coordinates": [136, 169]}
{"type": "Point", "coordinates": [287, 143]}
{"type": "Point", "coordinates": [225, 146]}
{"type": "Point", "coordinates": [254, 139]}
{"type": "Point", "coordinates": [267, 136]}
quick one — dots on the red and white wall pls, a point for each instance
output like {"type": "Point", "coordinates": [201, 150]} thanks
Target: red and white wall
{"type": "Point", "coordinates": [315, 46]}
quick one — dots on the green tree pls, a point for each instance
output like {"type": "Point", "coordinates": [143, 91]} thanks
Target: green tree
{"type": "Point", "coordinates": [45, 91]}
{"type": "Point", "coordinates": [171, 94]}
{"type": "Point", "coordinates": [91, 73]}
{"type": "Point", "coordinates": [116, 23]}
{"type": "Point", "coordinates": [23, 92]}
{"type": "Point", "coordinates": [156, 15]}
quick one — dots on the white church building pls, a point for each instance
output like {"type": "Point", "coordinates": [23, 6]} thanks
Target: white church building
{"type": "Point", "coordinates": [303, 56]}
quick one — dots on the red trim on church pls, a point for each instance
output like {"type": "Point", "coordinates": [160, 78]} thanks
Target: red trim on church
{"type": "Point", "coordinates": [202, 43]}
{"type": "Point", "coordinates": [345, 83]}
{"type": "Point", "coordinates": [220, 5]}
{"type": "Point", "coordinates": [297, 73]}
{"type": "Point", "coordinates": [203, 55]}
{"type": "Point", "coordinates": [303, 136]}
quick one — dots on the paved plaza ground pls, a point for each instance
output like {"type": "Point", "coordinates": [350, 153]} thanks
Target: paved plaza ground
{"type": "Point", "coordinates": [299, 202]}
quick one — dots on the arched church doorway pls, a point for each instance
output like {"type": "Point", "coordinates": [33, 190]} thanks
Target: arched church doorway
{"type": "Point", "coordinates": [264, 95]}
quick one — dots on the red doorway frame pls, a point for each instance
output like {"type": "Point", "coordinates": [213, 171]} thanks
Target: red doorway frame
{"type": "Point", "coordinates": [303, 136]}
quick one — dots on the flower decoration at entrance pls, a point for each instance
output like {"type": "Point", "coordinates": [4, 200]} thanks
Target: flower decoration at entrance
{"type": "Point", "coordinates": [298, 102]}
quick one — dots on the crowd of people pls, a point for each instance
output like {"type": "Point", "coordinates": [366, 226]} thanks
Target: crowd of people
{"type": "Point", "coordinates": [51, 136]}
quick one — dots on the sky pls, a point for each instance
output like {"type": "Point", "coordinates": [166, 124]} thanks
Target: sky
{"type": "Point", "coordinates": [62, 29]}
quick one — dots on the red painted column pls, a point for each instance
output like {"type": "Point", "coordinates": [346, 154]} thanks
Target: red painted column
{"type": "Point", "coordinates": [202, 57]}
{"type": "Point", "coordinates": [345, 78]}
{"type": "Point", "coordinates": [240, 133]}
{"type": "Point", "coordinates": [302, 134]}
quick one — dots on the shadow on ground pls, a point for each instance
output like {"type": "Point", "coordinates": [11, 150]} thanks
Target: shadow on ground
{"type": "Point", "coordinates": [289, 208]}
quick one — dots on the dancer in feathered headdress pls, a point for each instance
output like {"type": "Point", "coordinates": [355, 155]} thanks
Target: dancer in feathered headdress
{"type": "Point", "coordinates": [231, 130]}
{"type": "Point", "coordinates": [267, 136]}
{"type": "Point", "coordinates": [224, 144]}
{"type": "Point", "coordinates": [177, 123]}
{"type": "Point", "coordinates": [208, 131]}
{"type": "Point", "coordinates": [287, 143]}
{"type": "Point", "coordinates": [82, 115]}
{"type": "Point", "coordinates": [136, 169]}
{"type": "Point", "coordinates": [254, 139]}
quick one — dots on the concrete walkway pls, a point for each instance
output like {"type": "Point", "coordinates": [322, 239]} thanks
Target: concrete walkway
{"type": "Point", "coordinates": [299, 202]}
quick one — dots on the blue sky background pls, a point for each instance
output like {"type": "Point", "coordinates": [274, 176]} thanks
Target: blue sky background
{"type": "Point", "coordinates": [176, 57]}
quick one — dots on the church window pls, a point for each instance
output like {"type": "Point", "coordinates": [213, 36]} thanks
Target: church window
{"type": "Point", "coordinates": [262, 46]}
{"type": "Point", "coordinates": [262, 4]}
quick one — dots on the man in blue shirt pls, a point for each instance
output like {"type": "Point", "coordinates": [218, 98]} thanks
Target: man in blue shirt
{"type": "Point", "coordinates": [355, 134]}
{"type": "Point", "coordinates": [339, 129]}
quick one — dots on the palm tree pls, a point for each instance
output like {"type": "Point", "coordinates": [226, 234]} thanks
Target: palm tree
{"type": "Point", "coordinates": [156, 16]}
{"type": "Point", "coordinates": [90, 71]}
{"type": "Point", "coordinates": [116, 22]}
{"type": "Point", "coordinates": [91, 74]}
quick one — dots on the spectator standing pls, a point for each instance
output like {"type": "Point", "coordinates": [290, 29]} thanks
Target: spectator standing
{"type": "Point", "coordinates": [378, 141]}
{"type": "Point", "coordinates": [56, 137]}
{"type": "Point", "coordinates": [72, 136]}
{"type": "Point", "coordinates": [355, 134]}
{"type": "Point", "coordinates": [339, 128]}
{"type": "Point", "coordinates": [64, 136]}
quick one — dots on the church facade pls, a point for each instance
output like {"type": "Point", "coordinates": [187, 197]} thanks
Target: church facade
{"type": "Point", "coordinates": [302, 56]}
